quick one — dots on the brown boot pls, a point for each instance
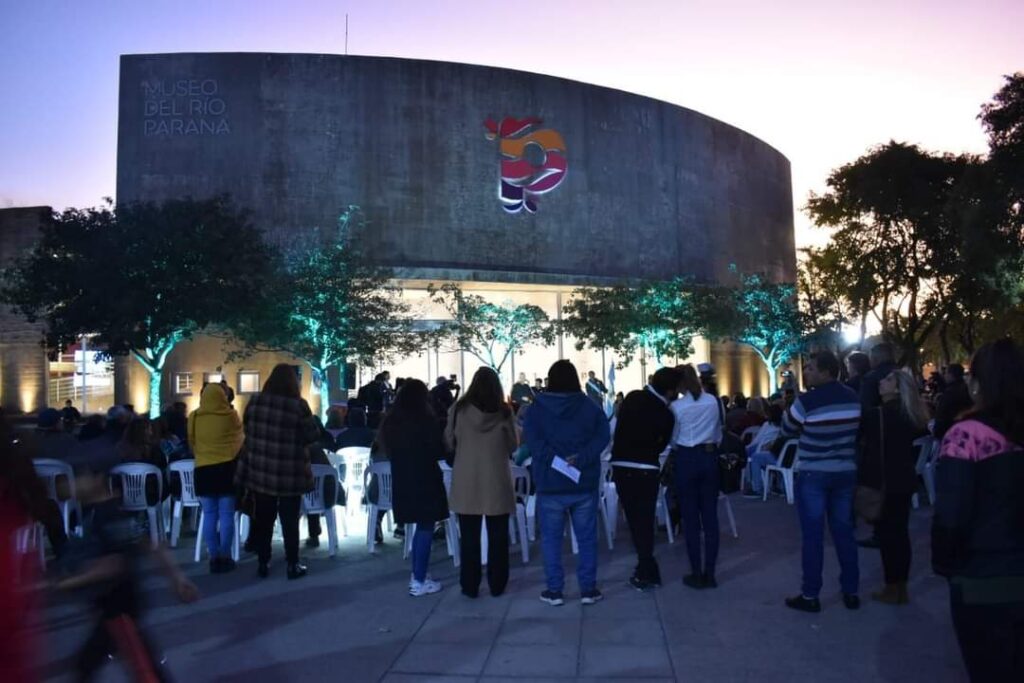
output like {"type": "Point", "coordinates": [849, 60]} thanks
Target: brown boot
{"type": "Point", "coordinates": [892, 594]}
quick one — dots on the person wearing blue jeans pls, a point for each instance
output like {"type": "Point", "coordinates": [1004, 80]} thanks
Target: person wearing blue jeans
{"type": "Point", "coordinates": [697, 482]}
{"type": "Point", "coordinates": [826, 420]}
{"type": "Point", "coordinates": [421, 542]}
{"type": "Point", "coordinates": [565, 434]}
{"type": "Point", "coordinates": [582, 511]}
{"type": "Point", "coordinates": [218, 524]}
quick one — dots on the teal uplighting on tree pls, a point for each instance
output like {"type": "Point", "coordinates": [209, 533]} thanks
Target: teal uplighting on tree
{"type": "Point", "coordinates": [327, 306]}
{"type": "Point", "coordinates": [141, 277]}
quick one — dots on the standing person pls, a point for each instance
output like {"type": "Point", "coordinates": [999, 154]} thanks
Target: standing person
{"type": "Point", "coordinates": [977, 541]}
{"type": "Point", "coordinates": [522, 393]}
{"type": "Point", "coordinates": [538, 386]}
{"type": "Point", "coordinates": [954, 400]}
{"type": "Point", "coordinates": [596, 390]}
{"type": "Point", "coordinates": [858, 364]}
{"type": "Point", "coordinates": [642, 431]}
{"type": "Point", "coordinates": [695, 442]}
{"type": "Point", "coordinates": [481, 431]}
{"type": "Point", "coordinates": [887, 463]}
{"type": "Point", "coordinates": [412, 439]}
{"type": "Point", "coordinates": [883, 361]}
{"type": "Point", "coordinates": [442, 397]}
{"type": "Point", "coordinates": [565, 430]}
{"type": "Point", "coordinates": [215, 437]}
{"type": "Point", "coordinates": [275, 465]}
{"type": "Point", "coordinates": [826, 419]}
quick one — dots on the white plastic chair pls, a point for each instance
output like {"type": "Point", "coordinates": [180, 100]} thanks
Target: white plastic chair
{"type": "Point", "coordinates": [315, 503]}
{"type": "Point", "coordinates": [50, 470]}
{"type": "Point", "coordinates": [336, 461]}
{"type": "Point", "coordinates": [521, 486]}
{"type": "Point", "coordinates": [28, 539]}
{"type": "Point", "coordinates": [607, 518]}
{"type": "Point", "coordinates": [185, 470]}
{"type": "Point", "coordinates": [924, 446]}
{"type": "Point", "coordinates": [789, 458]}
{"type": "Point", "coordinates": [356, 459]}
{"type": "Point", "coordinates": [451, 530]}
{"type": "Point", "coordinates": [133, 477]}
{"type": "Point", "coordinates": [722, 498]}
{"type": "Point", "coordinates": [381, 472]}
{"type": "Point", "coordinates": [747, 437]}
{"type": "Point", "coordinates": [661, 511]}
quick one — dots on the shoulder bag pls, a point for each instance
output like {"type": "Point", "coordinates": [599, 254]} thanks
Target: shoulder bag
{"type": "Point", "coordinates": [867, 501]}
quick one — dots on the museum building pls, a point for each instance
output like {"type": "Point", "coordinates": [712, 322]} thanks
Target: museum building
{"type": "Point", "coordinates": [518, 186]}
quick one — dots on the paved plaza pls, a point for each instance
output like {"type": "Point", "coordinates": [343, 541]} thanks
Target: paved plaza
{"type": "Point", "coordinates": [351, 620]}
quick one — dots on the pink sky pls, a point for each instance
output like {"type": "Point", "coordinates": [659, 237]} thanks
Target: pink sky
{"type": "Point", "coordinates": [820, 81]}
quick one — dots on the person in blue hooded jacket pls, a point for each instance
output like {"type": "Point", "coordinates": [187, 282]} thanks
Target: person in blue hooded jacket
{"type": "Point", "coordinates": [564, 427]}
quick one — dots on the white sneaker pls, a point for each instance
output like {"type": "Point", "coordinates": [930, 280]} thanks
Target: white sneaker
{"type": "Point", "coordinates": [428, 586]}
{"type": "Point", "coordinates": [412, 579]}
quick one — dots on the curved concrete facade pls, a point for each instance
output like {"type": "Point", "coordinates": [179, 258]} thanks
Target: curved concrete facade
{"type": "Point", "coordinates": [599, 184]}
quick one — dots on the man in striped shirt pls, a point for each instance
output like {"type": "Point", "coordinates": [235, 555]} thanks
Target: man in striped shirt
{"type": "Point", "coordinates": [826, 420]}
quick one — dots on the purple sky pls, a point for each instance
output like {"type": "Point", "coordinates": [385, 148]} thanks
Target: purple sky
{"type": "Point", "coordinates": [821, 81]}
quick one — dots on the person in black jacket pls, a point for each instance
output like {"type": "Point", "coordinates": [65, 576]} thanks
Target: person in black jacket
{"type": "Point", "coordinates": [977, 538]}
{"type": "Point", "coordinates": [642, 432]}
{"type": "Point", "coordinates": [886, 463]}
{"type": "Point", "coordinates": [954, 400]}
{"type": "Point", "coordinates": [413, 441]}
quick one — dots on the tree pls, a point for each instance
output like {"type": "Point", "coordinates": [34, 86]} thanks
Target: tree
{"type": "Point", "coordinates": [820, 296]}
{"type": "Point", "coordinates": [765, 317]}
{"type": "Point", "coordinates": [658, 318]}
{"type": "Point", "coordinates": [490, 331]}
{"type": "Point", "coordinates": [141, 277]}
{"type": "Point", "coordinates": [327, 305]}
{"type": "Point", "coordinates": [892, 232]}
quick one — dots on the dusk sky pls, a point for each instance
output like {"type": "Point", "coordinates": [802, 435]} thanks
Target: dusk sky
{"type": "Point", "coordinates": [820, 81]}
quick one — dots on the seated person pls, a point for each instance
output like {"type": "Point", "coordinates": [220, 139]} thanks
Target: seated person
{"type": "Point", "coordinates": [759, 451]}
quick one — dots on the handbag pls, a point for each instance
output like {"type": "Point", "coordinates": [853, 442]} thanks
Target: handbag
{"type": "Point", "coordinates": [867, 500]}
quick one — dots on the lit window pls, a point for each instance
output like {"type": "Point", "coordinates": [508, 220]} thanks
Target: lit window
{"type": "Point", "coordinates": [213, 378]}
{"type": "Point", "coordinates": [248, 382]}
{"type": "Point", "coordinates": [183, 383]}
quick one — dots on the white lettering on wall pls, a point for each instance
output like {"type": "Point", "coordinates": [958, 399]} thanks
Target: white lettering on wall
{"type": "Point", "coordinates": [191, 106]}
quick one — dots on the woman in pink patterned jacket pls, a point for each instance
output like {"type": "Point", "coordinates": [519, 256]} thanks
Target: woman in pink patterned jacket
{"type": "Point", "coordinates": [978, 531]}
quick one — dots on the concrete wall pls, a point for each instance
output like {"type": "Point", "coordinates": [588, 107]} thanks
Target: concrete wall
{"type": "Point", "coordinates": [24, 369]}
{"type": "Point", "coordinates": [651, 190]}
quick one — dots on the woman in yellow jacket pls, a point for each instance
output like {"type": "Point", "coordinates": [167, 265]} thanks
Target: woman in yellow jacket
{"type": "Point", "coordinates": [215, 436]}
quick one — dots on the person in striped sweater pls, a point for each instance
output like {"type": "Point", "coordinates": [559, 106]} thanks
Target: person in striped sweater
{"type": "Point", "coordinates": [826, 420]}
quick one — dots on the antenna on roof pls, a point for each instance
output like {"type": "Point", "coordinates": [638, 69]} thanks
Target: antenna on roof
{"type": "Point", "coordinates": [346, 33]}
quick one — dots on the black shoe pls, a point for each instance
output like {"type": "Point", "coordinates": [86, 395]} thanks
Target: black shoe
{"type": "Point", "coordinates": [263, 569]}
{"type": "Point", "coordinates": [851, 601]}
{"type": "Point", "coordinates": [471, 594]}
{"type": "Point", "coordinates": [751, 493]}
{"type": "Point", "coordinates": [591, 596]}
{"type": "Point", "coordinates": [249, 546]}
{"type": "Point", "coordinates": [868, 543]}
{"type": "Point", "coordinates": [313, 542]}
{"type": "Point", "coordinates": [227, 565]}
{"type": "Point", "coordinates": [804, 604]}
{"type": "Point", "coordinates": [399, 531]}
{"type": "Point", "coordinates": [693, 581]}
{"type": "Point", "coordinates": [709, 581]}
{"type": "Point", "coordinates": [296, 571]}
{"type": "Point", "coordinates": [552, 598]}
{"type": "Point", "coordinates": [216, 565]}
{"type": "Point", "coordinates": [639, 584]}
{"type": "Point", "coordinates": [378, 536]}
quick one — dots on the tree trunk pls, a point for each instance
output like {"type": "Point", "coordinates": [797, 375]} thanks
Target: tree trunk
{"type": "Point", "coordinates": [947, 357]}
{"type": "Point", "coordinates": [155, 375]}
{"type": "Point", "coordinates": [325, 392]}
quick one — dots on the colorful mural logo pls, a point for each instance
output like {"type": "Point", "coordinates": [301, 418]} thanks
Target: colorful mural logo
{"type": "Point", "coordinates": [532, 163]}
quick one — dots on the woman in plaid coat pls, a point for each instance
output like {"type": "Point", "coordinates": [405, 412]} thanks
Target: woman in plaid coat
{"type": "Point", "coordinates": [274, 465]}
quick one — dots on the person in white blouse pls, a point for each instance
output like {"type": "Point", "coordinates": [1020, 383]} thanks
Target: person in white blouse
{"type": "Point", "coordinates": [695, 446]}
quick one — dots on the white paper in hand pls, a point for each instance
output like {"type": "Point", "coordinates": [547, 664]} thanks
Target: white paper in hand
{"type": "Point", "coordinates": [560, 465]}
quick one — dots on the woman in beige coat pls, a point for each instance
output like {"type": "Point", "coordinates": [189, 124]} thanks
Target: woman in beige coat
{"type": "Point", "coordinates": [481, 431]}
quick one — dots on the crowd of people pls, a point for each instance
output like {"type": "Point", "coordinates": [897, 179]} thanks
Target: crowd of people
{"type": "Point", "coordinates": [856, 430]}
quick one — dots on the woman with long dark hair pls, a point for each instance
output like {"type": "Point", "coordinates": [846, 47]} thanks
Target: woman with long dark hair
{"type": "Point", "coordinates": [886, 463]}
{"type": "Point", "coordinates": [412, 439]}
{"type": "Point", "coordinates": [482, 433]}
{"type": "Point", "coordinates": [275, 465]}
{"type": "Point", "coordinates": [978, 532]}
{"type": "Point", "coordinates": [695, 443]}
